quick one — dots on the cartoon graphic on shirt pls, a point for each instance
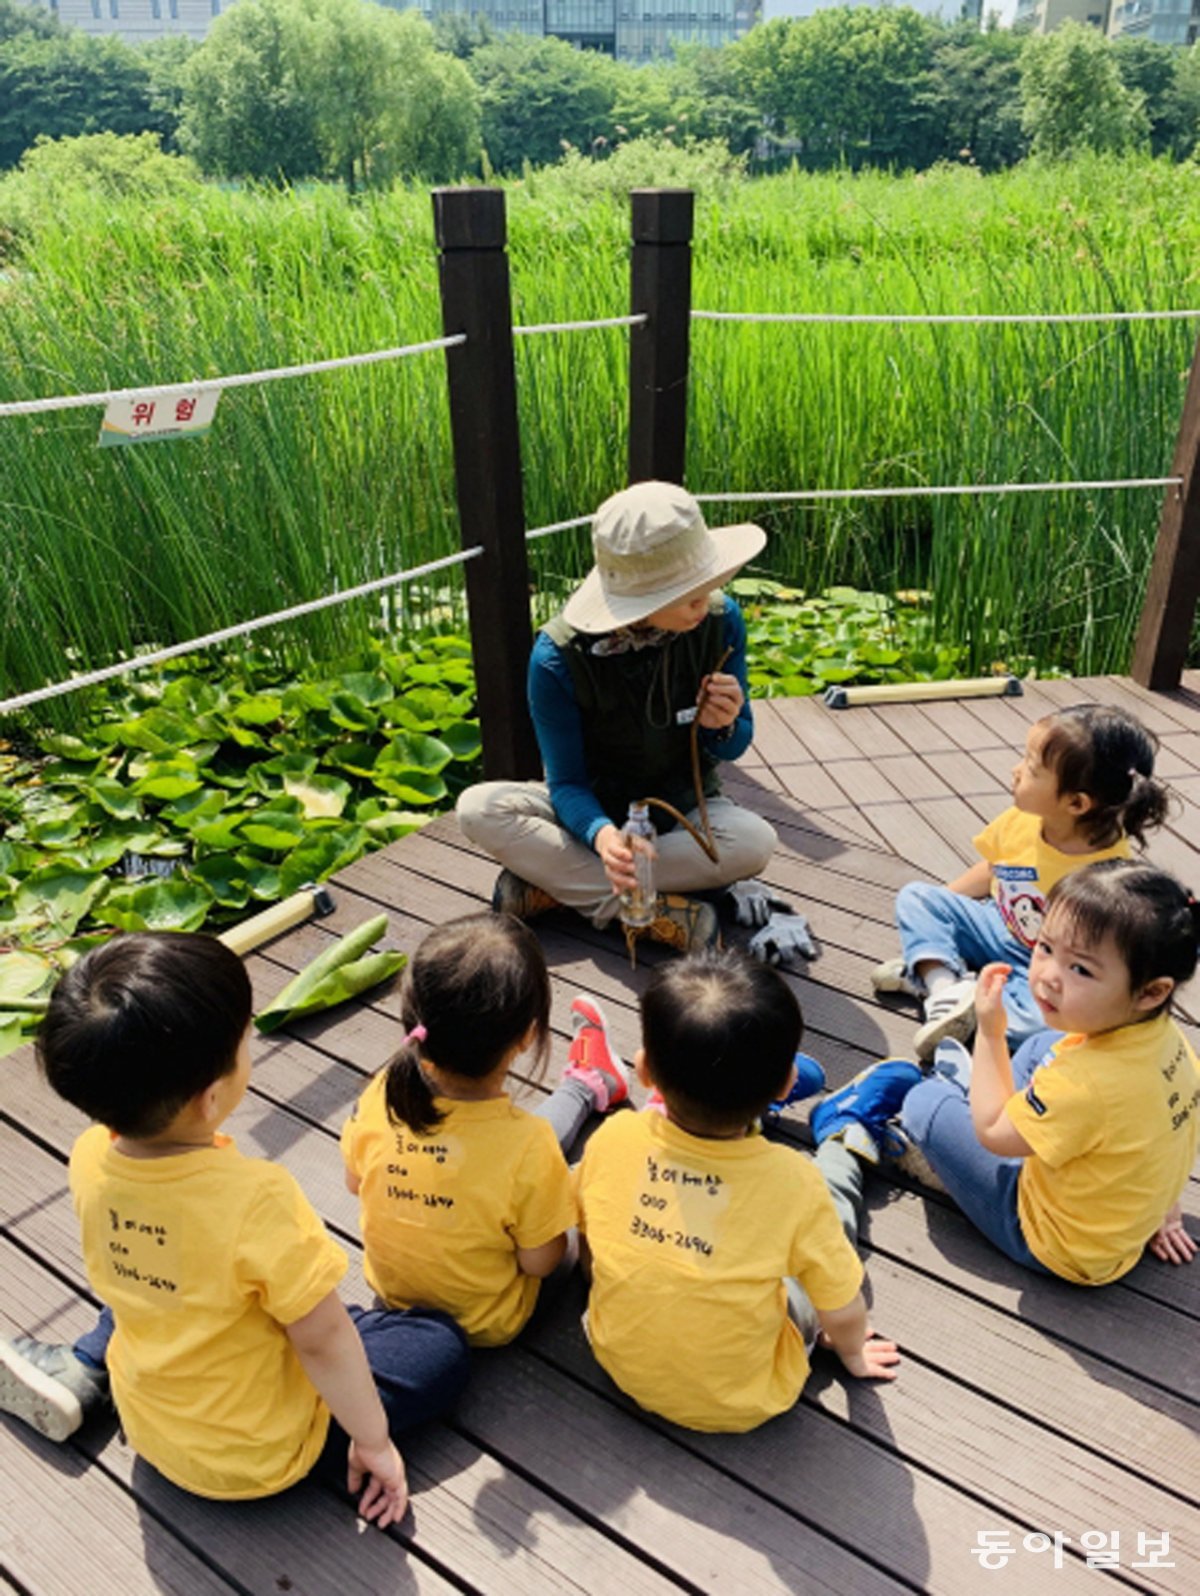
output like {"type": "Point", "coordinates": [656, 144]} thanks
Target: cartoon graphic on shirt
{"type": "Point", "coordinates": [1019, 901]}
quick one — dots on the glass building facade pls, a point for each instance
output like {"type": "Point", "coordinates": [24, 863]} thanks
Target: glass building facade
{"type": "Point", "coordinates": [631, 30]}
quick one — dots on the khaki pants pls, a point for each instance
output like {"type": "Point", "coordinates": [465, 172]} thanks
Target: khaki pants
{"type": "Point", "coordinates": [515, 822]}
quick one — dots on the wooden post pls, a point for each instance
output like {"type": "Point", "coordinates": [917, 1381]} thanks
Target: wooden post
{"type": "Point", "coordinates": [473, 274]}
{"type": "Point", "coordinates": [661, 289]}
{"type": "Point", "coordinates": [1169, 609]}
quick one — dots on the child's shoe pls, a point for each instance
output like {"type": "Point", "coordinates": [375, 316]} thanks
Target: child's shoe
{"type": "Point", "coordinates": [48, 1387]}
{"type": "Point", "coordinates": [858, 1114]}
{"type": "Point", "coordinates": [892, 976]}
{"type": "Point", "coordinates": [810, 1079]}
{"type": "Point", "coordinates": [512, 895]}
{"type": "Point", "coordinates": [949, 1013]}
{"type": "Point", "coordinates": [904, 1155]}
{"type": "Point", "coordinates": [591, 1059]}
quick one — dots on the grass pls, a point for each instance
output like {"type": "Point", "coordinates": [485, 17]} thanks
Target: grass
{"type": "Point", "coordinates": [323, 482]}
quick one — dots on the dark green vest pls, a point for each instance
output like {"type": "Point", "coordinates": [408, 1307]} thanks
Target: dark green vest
{"type": "Point", "coordinates": [628, 704]}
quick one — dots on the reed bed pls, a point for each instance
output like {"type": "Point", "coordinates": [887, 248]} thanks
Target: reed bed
{"type": "Point", "coordinates": [319, 483]}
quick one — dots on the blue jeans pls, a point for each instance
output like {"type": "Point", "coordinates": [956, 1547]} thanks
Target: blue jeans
{"type": "Point", "coordinates": [843, 1172]}
{"type": "Point", "coordinates": [937, 1115]}
{"type": "Point", "coordinates": [965, 934]}
{"type": "Point", "coordinates": [418, 1359]}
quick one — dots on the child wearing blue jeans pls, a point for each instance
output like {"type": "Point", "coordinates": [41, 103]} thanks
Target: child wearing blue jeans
{"type": "Point", "coordinates": [234, 1366]}
{"type": "Point", "coordinates": [1071, 1157]}
{"type": "Point", "coordinates": [1084, 786]}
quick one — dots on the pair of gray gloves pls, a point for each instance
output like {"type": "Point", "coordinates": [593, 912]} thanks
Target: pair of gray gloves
{"type": "Point", "coordinates": [780, 935]}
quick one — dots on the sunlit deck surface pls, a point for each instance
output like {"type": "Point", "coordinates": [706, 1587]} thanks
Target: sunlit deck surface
{"type": "Point", "coordinates": [1024, 1405]}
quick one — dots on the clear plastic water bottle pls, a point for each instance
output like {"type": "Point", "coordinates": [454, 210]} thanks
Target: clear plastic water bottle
{"type": "Point", "coordinates": [638, 905]}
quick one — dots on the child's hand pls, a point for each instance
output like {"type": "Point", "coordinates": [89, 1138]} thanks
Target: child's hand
{"type": "Point", "coordinates": [990, 1017]}
{"type": "Point", "coordinates": [875, 1360]}
{"type": "Point", "coordinates": [1171, 1242]}
{"type": "Point", "coordinates": [385, 1499]}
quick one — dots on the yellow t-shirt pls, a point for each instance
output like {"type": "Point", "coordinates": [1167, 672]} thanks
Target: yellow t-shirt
{"type": "Point", "coordinates": [690, 1240]}
{"type": "Point", "coordinates": [1112, 1121]}
{"type": "Point", "coordinates": [443, 1213]}
{"type": "Point", "coordinates": [203, 1258]}
{"type": "Point", "coordinates": [1025, 867]}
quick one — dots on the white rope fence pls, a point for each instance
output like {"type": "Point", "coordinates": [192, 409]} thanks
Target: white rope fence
{"type": "Point", "coordinates": [966, 488]}
{"type": "Point", "coordinates": [984, 320]}
{"type": "Point", "coordinates": [581, 326]}
{"type": "Point", "coordinates": [34, 407]}
{"type": "Point", "coordinates": [557, 526]}
{"type": "Point", "coordinates": [139, 661]}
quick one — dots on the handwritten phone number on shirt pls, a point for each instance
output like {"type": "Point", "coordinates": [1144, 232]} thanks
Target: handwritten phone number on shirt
{"type": "Point", "coordinates": [658, 1233]}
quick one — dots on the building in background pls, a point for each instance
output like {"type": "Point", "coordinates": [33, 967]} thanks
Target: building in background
{"type": "Point", "coordinates": [1043, 16]}
{"type": "Point", "coordinates": [631, 30]}
{"type": "Point", "coordinates": [1160, 21]}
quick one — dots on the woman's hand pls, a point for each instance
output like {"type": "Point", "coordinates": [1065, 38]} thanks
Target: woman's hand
{"type": "Point", "coordinates": [719, 700]}
{"type": "Point", "coordinates": [616, 855]}
{"type": "Point", "coordinates": [991, 1020]}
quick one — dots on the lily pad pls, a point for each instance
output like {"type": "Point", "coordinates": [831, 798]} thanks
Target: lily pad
{"type": "Point", "coordinates": [175, 905]}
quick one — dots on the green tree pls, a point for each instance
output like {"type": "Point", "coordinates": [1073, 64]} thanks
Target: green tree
{"type": "Point", "coordinates": [1154, 70]}
{"type": "Point", "coordinates": [62, 84]}
{"type": "Point", "coordinates": [973, 96]}
{"type": "Point", "coordinates": [17, 16]}
{"type": "Point", "coordinates": [288, 89]}
{"type": "Point", "coordinates": [539, 96]}
{"type": "Point", "coordinates": [1072, 97]}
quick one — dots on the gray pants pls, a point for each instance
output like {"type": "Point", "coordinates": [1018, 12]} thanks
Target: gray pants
{"type": "Point", "coordinates": [843, 1172]}
{"type": "Point", "coordinates": [515, 822]}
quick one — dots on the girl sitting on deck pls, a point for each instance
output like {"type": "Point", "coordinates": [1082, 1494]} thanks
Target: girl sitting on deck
{"type": "Point", "coordinates": [1072, 1156]}
{"type": "Point", "coordinates": [465, 1198]}
{"type": "Point", "coordinates": [1084, 786]}
{"type": "Point", "coordinates": [645, 646]}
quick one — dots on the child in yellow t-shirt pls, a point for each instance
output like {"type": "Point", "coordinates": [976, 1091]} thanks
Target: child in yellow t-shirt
{"type": "Point", "coordinates": [465, 1199]}
{"type": "Point", "coordinates": [234, 1366]}
{"type": "Point", "coordinates": [716, 1255]}
{"type": "Point", "coordinates": [1072, 1156]}
{"type": "Point", "coordinates": [1084, 786]}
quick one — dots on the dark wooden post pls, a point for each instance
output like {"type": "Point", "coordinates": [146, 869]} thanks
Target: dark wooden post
{"type": "Point", "coordinates": [1169, 610]}
{"type": "Point", "coordinates": [661, 289]}
{"type": "Point", "coordinates": [473, 274]}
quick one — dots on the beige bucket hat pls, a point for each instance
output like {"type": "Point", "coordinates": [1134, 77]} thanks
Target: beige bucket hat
{"type": "Point", "coordinates": [652, 547]}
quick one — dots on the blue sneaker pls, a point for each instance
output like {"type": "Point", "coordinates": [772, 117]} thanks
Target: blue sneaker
{"type": "Point", "coordinates": [810, 1079]}
{"type": "Point", "coordinates": [858, 1114]}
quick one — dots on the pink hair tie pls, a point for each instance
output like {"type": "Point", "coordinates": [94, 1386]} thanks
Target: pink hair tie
{"type": "Point", "coordinates": [417, 1034]}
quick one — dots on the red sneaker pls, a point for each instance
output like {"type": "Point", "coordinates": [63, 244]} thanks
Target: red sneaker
{"type": "Point", "coordinates": [591, 1059]}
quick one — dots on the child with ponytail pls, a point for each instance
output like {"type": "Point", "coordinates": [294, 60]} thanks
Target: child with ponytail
{"type": "Point", "coordinates": [465, 1199]}
{"type": "Point", "coordinates": [1084, 786]}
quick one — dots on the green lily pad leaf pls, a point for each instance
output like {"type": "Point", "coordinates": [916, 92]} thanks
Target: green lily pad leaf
{"type": "Point", "coordinates": [221, 833]}
{"type": "Point", "coordinates": [348, 711]}
{"type": "Point", "coordinates": [158, 731]}
{"type": "Point", "coordinates": [411, 786]}
{"type": "Point", "coordinates": [175, 905]}
{"type": "Point", "coordinates": [304, 696]}
{"type": "Point", "coordinates": [16, 859]}
{"type": "Point", "coordinates": [195, 807]}
{"type": "Point", "coordinates": [343, 970]}
{"type": "Point", "coordinates": [452, 671]}
{"type": "Point", "coordinates": [70, 772]}
{"type": "Point", "coordinates": [837, 673]}
{"type": "Point", "coordinates": [393, 824]}
{"type": "Point", "coordinates": [426, 708]}
{"type": "Point", "coordinates": [366, 686]}
{"type": "Point", "coordinates": [13, 1035]}
{"type": "Point", "coordinates": [320, 795]}
{"type": "Point", "coordinates": [319, 856]}
{"type": "Point", "coordinates": [753, 587]}
{"type": "Point", "coordinates": [225, 878]}
{"type": "Point", "coordinates": [463, 739]}
{"type": "Point", "coordinates": [54, 899]}
{"type": "Point", "coordinates": [22, 974]}
{"type": "Point", "coordinates": [56, 828]}
{"type": "Point", "coordinates": [407, 751]}
{"type": "Point", "coordinates": [262, 879]}
{"type": "Point", "coordinates": [169, 778]}
{"type": "Point", "coordinates": [264, 709]}
{"type": "Point", "coordinates": [269, 775]}
{"type": "Point", "coordinates": [114, 798]}
{"type": "Point", "coordinates": [68, 747]}
{"type": "Point", "coordinates": [358, 758]}
{"type": "Point", "coordinates": [273, 829]}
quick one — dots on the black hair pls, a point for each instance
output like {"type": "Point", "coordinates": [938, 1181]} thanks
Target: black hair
{"type": "Point", "coordinates": [1108, 756]}
{"type": "Point", "coordinates": [720, 1032]}
{"type": "Point", "coordinates": [138, 1026]}
{"type": "Point", "coordinates": [476, 986]}
{"type": "Point", "coordinates": [1153, 920]}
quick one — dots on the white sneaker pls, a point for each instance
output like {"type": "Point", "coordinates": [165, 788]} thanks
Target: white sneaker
{"type": "Point", "coordinates": [892, 976]}
{"type": "Point", "coordinates": [913, 1162]}
{"type": "Point", "coordinates": [949, 1013]}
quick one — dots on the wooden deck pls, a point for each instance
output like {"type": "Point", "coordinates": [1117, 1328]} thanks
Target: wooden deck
{"type": "Point", "coordinates": [1023, 1406]}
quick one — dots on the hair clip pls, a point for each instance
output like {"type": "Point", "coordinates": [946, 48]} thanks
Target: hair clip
{"type": "Point", "coordinates": [417, 1034]}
